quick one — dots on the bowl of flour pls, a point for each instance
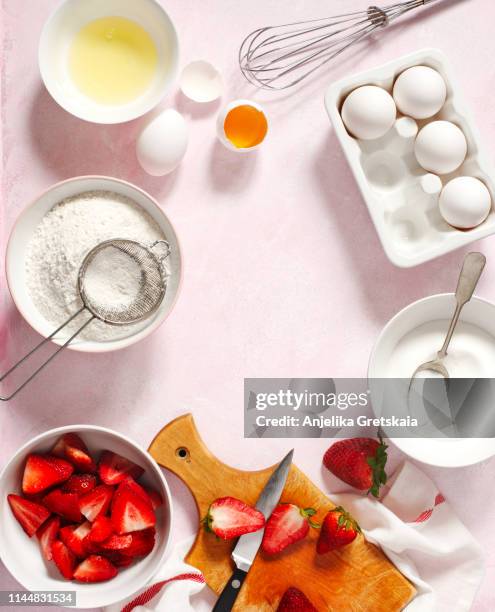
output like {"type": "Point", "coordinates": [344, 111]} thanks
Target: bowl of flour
{"type": "Point", "coordinates": [50, 240]}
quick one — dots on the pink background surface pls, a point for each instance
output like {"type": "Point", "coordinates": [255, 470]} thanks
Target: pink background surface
{"type": "Point", "coordinates": [284, 274]}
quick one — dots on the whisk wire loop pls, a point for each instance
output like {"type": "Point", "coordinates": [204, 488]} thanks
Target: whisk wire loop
{"type": "Point", "coordinates": [278, 57]}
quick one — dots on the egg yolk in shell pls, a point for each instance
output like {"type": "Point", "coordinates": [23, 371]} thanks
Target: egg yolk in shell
{"type": "Point", "coordinates": [245, 126]}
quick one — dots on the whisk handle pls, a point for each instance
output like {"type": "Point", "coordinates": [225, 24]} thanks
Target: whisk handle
{"type": "Point", "coordinates": [45, 363]}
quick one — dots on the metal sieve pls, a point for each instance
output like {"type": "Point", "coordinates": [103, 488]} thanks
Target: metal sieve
{"type": "Point", "coordinates": [149, 279]}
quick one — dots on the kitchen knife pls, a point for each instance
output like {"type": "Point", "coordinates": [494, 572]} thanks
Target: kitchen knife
{"type": "Point", "coordinates": [247, 547]}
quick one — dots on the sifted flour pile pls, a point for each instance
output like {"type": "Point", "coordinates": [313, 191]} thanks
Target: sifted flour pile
{"type": "Point", "coordinates": [61, 241]}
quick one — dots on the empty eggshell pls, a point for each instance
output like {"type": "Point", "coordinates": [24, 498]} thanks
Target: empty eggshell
{"type": "Point", "coordinates": [369, 112]}
{"type": "Point", "coordinates": [440, 147]}
{"type": "Point", "coordinates": [200, 81]}
{"type": "Point", "coordinates": [162, 143]}
{"type": "Point", "coordinates": [465, 202]}
{"type": "Point", "coordinates": [420, 92]}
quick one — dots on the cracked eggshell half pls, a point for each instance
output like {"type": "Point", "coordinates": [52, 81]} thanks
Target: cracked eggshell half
{"type": "Point", "coordinates": [162, 143]}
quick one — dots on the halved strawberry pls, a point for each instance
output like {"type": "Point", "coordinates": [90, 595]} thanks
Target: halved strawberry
{"type": "Point", "coordinates": [155, 497]}
{"type": "Point", "coordinates": [229, 518]}
{"type": "Point", "coordinates": [142, 543]}
{"type": "Point", "coordinates": [287, 524]}
{"type": "Point", "coordinates": [44, 471]}
{"type": "Point", "coordinates": [95, 569]}
{"type": "Point", "coordinates": [47, 534]}
{"type": "Point", "coordinates": [73, 448]}
{"type": "Point", "coordinates": [65, 504]}
{"type": "Point", "coordinates": [101, 529]}
{"type": "Point", "coordinates": [64, 559]}
{"type": "Point", "coordinates": [96, 502]}
{"type": "Point", "coordinates": [113, 468]}
{"type": "Point", "coordinates": [130, 511]}
{"type": "Point", "coordinates": [117, 542]}
{"type": "Point", "coordinates": [29, 514]}
{"type": "Point", "coordinates": [74, 537]}
{"type": "Point", "coordinates": [80, 484]}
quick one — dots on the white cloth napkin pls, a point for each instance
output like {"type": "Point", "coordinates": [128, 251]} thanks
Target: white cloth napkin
{"type": "Point", "coordinates": [413, 524]}
{"type": "Point", "coordinates": [421, 535]}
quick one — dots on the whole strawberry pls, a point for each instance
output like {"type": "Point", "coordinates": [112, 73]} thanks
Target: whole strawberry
{"type": "Point", "coordinates": [230, 518]}
{"type": "Point", "coordinates": [294, 600]}
{"type": "Point", "coordinates": [338, 529]}
{"type": "Point", "coordinates": [287, 524]}
{"type": "Point", "coordinates": [360, 462]}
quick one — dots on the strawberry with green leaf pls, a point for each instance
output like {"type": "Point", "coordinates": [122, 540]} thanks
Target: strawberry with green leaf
{"type": "Point", "coordinates": [338, 529]}
{"type": "Point", "coordinates": [360, 462]}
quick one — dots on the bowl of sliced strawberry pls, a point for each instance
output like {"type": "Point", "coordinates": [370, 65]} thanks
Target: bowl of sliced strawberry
{"type": "Point", "coordinates": [84, 509]}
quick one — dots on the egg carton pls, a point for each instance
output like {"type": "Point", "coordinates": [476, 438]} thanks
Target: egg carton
{"type": "Point", "coordinates": [405, 215]}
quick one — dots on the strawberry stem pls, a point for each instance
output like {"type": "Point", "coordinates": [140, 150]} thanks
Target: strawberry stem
{"type": "Point", "coordinates": [377, 464]}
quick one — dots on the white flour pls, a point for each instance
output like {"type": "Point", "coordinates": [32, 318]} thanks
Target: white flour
{"type": "Point", "coordinates": [61, 241]}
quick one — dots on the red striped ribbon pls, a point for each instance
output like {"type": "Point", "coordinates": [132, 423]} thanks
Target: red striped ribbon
{"type": "Point", "coordinates": [143, 598]}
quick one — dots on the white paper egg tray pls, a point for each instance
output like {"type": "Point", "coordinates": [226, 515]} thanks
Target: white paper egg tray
{"type": "Point", "coordinates": [406, 218]}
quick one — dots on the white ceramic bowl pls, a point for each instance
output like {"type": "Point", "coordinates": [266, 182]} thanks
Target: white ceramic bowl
{"type": "Point", "coordinates": [21, 555]}
{"type": "Point", "coordinates": [443, 452]}
{"type": "Point", "coordinates": [24, 228]}
{"type": "Point", "coordinates": [66, 21]}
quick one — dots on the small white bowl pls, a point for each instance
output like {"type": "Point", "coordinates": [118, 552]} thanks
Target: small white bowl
{"type": "Point", "coordinates": [442, 452]}
{"type": "Point", "coordinates": [22, 556]}
{"type": "Point", "coordinates": [67, 20]}
{"type": "Point", "coordinates": [25, 227]}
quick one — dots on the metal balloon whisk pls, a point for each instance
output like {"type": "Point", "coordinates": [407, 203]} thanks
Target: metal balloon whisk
{"type": "Point", "coordinates": [278, 57]}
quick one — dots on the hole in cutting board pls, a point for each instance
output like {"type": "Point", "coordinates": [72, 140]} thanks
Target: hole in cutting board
{"type": "Point", "coordinates": [183, 453]}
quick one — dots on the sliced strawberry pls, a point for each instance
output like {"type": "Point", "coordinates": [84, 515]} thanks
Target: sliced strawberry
{"type": "Point", "coordinates": [65, 504]}
{"type": "Point", "coordinates": [155, 497]}
{"type": "Point", "coordinates": [47, 534]}
{"type": "Point", "coordinates": [95, 569]}
{"type": "Point", "coordinates": [131, 484]}
{"type": "Point", "coordinates": [44, 471]}
{"type": "Point", "coordinates": [73, 448]}
{"type": "Point", "coordinates": [287, 524]}
{"type": "Point", "coordinates": [74, 537]}
{"type": "Point", "coordinates": [101, 529]}
{"type": "Point", "coordinates": [295, 600]}
{"type": "Point", "coordinates": [230, 518]}
{"type": "Point", "coordinates": [29, 514]}
{"type": "Point", "coordinates": [130, 511]}
{"type": "Point", "coordinates": [142, 543]}
{"type": "Point", "coordinates": [113, 468]}
{"type": "Point", "coordinates": [117, 542]}
{"type": "Point", "coordinates": [118, 559]}
{"type": "Point", "coordinates": [80, 484]}
{"type": "Point", "coordinates": [64, 559]}
{"type": "Point", "coordinates": [96, 502]}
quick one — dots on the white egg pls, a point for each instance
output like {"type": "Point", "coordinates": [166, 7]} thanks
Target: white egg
{"type": "Point", "coordinates": [162, 143]}
{"type": "Point", "coordinates": [369, 112]}
{"type": "Point", "coordinates": [440, 147]}
{"type": "Point", "coordinates": [420, 92]}
{"type": "Point", "coordinates": [465, 202]}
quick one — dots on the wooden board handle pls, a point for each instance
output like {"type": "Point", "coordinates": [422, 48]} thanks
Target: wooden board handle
{"type": "Point", "coordinates": [179, 448]}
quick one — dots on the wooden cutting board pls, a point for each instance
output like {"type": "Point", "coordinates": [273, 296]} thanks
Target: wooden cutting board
{"type": "Point", "coordinates": [357, 578]}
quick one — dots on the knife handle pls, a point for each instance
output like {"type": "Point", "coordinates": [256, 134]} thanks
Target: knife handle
{"type": "Point", "coordinates": [228, 596]}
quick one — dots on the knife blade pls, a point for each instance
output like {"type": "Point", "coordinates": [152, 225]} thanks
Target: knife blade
{"type": "Point", "coordinates": [248, 545]}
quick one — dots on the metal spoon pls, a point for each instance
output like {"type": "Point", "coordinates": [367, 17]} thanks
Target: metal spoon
{"type": "Point", "coordinates": [468, 279]}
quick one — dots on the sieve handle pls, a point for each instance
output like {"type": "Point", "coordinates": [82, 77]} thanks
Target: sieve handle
{"type": "Point", "coordinates": [168, 250]}
{"type": "Point", "coordinates": [45, 363]}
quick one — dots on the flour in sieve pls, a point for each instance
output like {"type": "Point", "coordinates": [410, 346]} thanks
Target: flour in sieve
{"type": "Point", "coordinates": [60, 243]}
